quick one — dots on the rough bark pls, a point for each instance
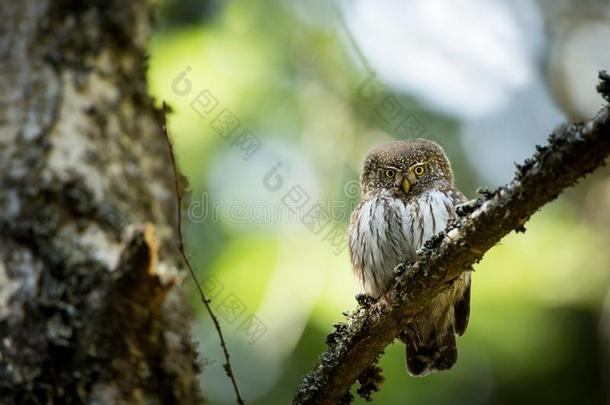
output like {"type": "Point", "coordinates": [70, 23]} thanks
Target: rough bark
{"type": "Point", "coordinates": [90, 309]}
{"type": "Point", "coordinates": [572, 152]}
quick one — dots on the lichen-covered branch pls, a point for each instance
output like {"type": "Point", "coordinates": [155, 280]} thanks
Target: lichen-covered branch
{"type": "Point", "coordinates": [572, 152]}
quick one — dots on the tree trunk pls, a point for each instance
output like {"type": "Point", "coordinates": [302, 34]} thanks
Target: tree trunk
{"type": "Point", "coordinates": [90, 304]}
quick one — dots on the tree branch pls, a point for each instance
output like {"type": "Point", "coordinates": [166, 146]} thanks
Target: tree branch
{"type": "Point", "coordinates": [572, 152]}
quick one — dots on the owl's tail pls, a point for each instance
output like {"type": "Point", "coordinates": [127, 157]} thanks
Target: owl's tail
{"type": "Point", "coordinates": [437, 352]}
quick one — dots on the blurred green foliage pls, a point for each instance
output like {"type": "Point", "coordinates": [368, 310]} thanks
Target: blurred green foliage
{"type": "Point", "coordinates": [536, 297]}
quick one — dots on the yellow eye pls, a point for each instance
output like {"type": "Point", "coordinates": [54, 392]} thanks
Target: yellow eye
{"type": "Point", "coordinates": [419, 170]}
{"type": "Point", "coordinates": [390, 173]}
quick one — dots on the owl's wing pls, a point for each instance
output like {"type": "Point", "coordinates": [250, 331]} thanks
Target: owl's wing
{"type": "Point", "coordinates": [462, 306]}
{"type": "Point", "coordinates": [462, 310]}
{"type": "Point", "coordinates": [457, 196]}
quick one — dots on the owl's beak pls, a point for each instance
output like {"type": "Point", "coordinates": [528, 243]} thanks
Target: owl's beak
{"type": "Point", "coordinates": [403, 182]}
{"type": "Point", "coordinates": [406, 186]}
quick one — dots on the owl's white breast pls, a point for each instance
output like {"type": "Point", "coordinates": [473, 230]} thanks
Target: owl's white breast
{"type": "Point", "coordinates": [387, 231]}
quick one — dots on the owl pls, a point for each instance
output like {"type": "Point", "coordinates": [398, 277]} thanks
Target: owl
{"type": "Point", "coordinates": [408, 195]}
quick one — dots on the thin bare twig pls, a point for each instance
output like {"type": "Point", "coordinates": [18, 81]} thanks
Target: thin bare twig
{"type": "Point", "coordinates": [206, 301]}
{"type": "Point", "coordinates": [352, 41]}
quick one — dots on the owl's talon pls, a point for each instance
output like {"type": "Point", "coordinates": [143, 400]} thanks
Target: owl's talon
{"type": "Point", "coordinates": [365, 300]}
{"type": "Point", "coordinates": [387, 298]}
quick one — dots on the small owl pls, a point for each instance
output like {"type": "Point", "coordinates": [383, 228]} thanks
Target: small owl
{"type": "Point", "coordinates": [408, 195]}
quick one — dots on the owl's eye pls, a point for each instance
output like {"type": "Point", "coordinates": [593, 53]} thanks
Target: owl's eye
{"type": "Point", "coordinates": [390, 173]}
{"type": "Point", "coordinates": [419, 170]}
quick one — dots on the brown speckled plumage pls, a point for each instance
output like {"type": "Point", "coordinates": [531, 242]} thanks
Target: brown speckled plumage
{"type": "Point", "coordinates": [408, 195]}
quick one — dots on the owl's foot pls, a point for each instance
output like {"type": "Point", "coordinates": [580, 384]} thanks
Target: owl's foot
{"type": "Point", "coordinates": [365, 300]}
{"type": "Point", "coordinates": [387, 299]}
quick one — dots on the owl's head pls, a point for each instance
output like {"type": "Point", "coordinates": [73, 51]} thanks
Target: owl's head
{"type": "Point", "coordinates": [409, 167]}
